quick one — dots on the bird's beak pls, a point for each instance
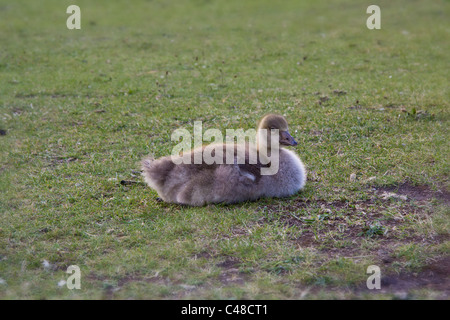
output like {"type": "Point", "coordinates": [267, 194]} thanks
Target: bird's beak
{"type": "Point", "coordinates": [286, 139]}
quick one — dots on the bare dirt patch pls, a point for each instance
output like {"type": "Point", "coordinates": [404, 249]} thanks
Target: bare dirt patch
{"type": "Point", "coordinates": [418, 193]}
{"type": "Point", "coordinates": [57, 160]}
{"type": "Point", "coordinates": [433, 277]}
{"type": "Point", "coordinates": [387, 216]}
{"type": "Point", "coordinates": [230, 272]}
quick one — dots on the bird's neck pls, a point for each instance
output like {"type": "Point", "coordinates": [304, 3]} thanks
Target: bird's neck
{"type": "Point", "coordinates": [267, 140]}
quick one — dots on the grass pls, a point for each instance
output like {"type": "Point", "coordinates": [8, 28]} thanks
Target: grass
{"type": "Point", "coordinates": [81, 108]}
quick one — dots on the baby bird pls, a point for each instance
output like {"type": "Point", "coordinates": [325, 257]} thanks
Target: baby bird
{"type": "Point", "coordinates": [273, 172]}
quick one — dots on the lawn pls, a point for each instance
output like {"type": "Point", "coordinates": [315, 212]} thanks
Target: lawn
{"type": "Point", "coordinates": [79, 109]}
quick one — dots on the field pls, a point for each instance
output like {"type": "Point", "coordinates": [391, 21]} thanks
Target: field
{"type": "Point", "coordinates": [79, 109]}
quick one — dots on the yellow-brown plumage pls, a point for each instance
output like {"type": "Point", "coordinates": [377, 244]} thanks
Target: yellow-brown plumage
{"type": "Point", "coordinates": [200, 184]}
